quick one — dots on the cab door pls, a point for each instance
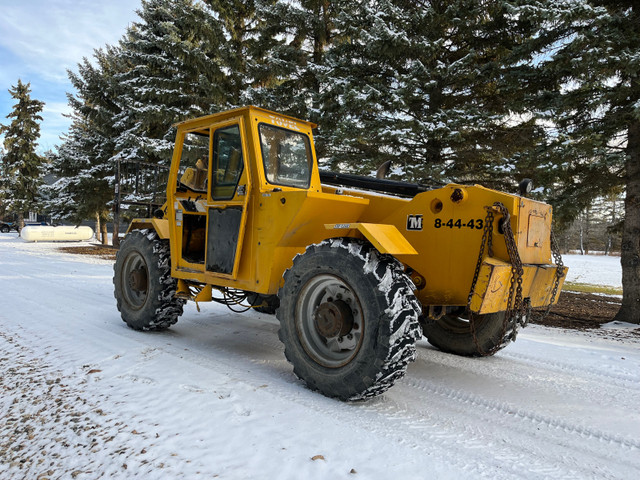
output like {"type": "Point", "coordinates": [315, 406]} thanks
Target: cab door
{"type": "Point", "coordinates": [228, 197]}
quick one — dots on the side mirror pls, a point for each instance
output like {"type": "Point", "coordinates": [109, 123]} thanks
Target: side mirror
{"type": "Point", "coordinates": [383, 170]}
{"type": "Point", "coordinates": [525, 187]}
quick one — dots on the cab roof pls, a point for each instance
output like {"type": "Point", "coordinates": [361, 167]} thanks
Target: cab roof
{"type": "Point", "coordinates": [248, 110]}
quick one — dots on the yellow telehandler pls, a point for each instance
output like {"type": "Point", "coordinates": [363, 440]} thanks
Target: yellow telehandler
{"type": "Point", "coordinates": [355, 268]}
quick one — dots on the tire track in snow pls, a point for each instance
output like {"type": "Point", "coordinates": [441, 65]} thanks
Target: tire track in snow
{"type": "Point", "coordinates": [520, 447]}
{"type": "Point", "coordinates": [520, 414]}
{"type": "Point", "coordinates": [617, 379]}
{"type": "Point", "coordinates": [513, 371]}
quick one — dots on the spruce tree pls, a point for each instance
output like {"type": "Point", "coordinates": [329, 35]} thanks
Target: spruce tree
{"type": "Point", "coordinates": [590, 53]}
{"type": "Point", "coordinates": [166, 68]}
{"type": "Point", "coordinates": [171, 70]}
{"type": "Point", "coordinates": [240, 22]}
{"type": "Point", "coordinates": [23, 167]}
{"type": "Point", "coordinates": [3, 174]}
{"type": "Point", "coordinates": [294, 38]}
{"type": "Point", "coordinates": [83, 163]}
{"type": "Point", "coordinates": [286, 68]}
{"type": "Point", "coordinates": [432, 87]}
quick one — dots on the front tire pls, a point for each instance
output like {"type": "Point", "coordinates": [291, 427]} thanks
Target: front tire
{"type": "Point", "coordinates": [143, 286]}
{"type": "Point", "coordinates": [348, 319]}
{"type": "Point", "coordinates": [4, 229]}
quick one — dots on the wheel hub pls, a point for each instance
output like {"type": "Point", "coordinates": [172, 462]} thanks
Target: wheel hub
{"type": "Point", "coordinates": [329, 321]}
{"type": "Point", "coordinates": [138, 280]}
{"type": "Point", "coordinates": [333, 319]}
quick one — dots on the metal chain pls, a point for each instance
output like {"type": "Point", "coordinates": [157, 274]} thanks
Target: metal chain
{"type": "Point", "coordinates": [487, 241]}
{"type": "Point", "coordinates": [516, 307]}
{"type": "Point", "coordinates": [517, 310]}
{"type": "Point", "coordinates": [555, 251]}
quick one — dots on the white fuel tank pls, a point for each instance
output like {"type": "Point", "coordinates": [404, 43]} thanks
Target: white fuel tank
{"type": "Point", "coordinates": [45, 233]}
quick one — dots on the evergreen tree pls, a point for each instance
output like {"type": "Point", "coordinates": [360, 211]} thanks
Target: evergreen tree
{"type": "Point", "coordinates": [171, 70]}
{"type": "Point", "coordinates": [83, 163]}
{"type": "Point", "coordinates": [287, 67]}
{"type": "Point", "coordinates": [3, 174]}
{"type": "Point", "coordinates": [591, 50]}
{"type": "Point", "coordinates": [434, 86]}
{"type": "Point", "coordinates": [294, 38]}
{"type": "Point", "coordinates": [165, 68]}
{"type": "Point", "coordinates": [240, 22]}
{"type": "Point", "coordinates": [23, 167]}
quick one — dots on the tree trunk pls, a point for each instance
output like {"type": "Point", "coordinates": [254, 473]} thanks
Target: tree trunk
{"type": "Point", "coordinates": [581, 237]}
{"type": "Point", "coordinates": [630, 257]}
{"type": "Point", "coordinates": [20, 223]}
{"type": "Point", "coordinates": [115, 240]}
{"type": "Point", "coordinates": [613, 222]}
{"type": "Point", "coordinates": [103, 231]}
{"type": "Point", "coordinates": [587, 232]}
{"type": "Point", "coordinates": [98, 227]}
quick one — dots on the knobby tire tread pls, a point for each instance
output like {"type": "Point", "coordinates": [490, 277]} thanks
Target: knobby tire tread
{"type": "Point", "coordinates": [398, 327]}
{"type": "Point", "coordinates": [162, 308]}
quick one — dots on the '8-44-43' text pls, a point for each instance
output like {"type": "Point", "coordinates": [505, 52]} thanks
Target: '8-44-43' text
{"type": "Point", "coordinates": [474, 224]}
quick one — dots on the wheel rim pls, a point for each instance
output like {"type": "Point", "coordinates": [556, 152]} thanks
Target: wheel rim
{"type": "Point", "coordinates": [135, 280]}
{"type": "Point", "coordinates": [329, 321]}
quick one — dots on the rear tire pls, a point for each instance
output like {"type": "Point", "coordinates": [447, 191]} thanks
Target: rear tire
{"type": "Point", "coordinates": [5, 229]}
{"type": "Point", "coordinates": [348, 319]}
{"type": "Point", "coordinates": [143, 285]}
{"type": "Point", "coordinates": [267, 304]}
{"type": "Point", "coordinates": [452, 334]}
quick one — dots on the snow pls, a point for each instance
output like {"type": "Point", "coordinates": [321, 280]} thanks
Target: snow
{"type": "Point", "coordinates": [594, 269]}
{"type": "Point", "coordinates": [85, 397]}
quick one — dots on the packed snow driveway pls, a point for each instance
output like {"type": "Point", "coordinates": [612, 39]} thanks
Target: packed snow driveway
{"type": "Point", "coordinates": [83, 396]}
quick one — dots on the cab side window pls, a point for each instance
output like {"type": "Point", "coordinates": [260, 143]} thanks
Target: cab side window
{"type": "Point", "coordinates": [228, 163]}
{"type": "Point", "coordinates": [286, 156]}
{"type": "Point", "coordinates": [194, 163]}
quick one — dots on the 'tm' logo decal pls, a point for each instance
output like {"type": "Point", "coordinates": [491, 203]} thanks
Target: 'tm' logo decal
{"type": "Point", "coordinates": [414, 222]}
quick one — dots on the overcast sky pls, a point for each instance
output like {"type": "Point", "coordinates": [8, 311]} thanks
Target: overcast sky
{"type": "Point", "coordinates": [41, 39]}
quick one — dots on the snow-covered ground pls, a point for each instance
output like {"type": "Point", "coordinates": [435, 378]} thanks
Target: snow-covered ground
{"type": "Point", "coordinates": [85, 397]}
{"type": "Point", "coordinates": [594, 269]}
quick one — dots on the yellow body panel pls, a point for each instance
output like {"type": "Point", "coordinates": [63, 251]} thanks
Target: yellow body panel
{"type": "Point", "coordinates": [491, 292]}
{"type": "Point", "coordinates": [436, 235]}
{"type": "Point", "coordinates": [160, 225]}
{"type": "Point", "coordinates": [386, 238]}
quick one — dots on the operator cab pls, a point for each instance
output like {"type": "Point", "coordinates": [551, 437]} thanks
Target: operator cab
{"type": "Point", "coordinates": [215, 168]}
